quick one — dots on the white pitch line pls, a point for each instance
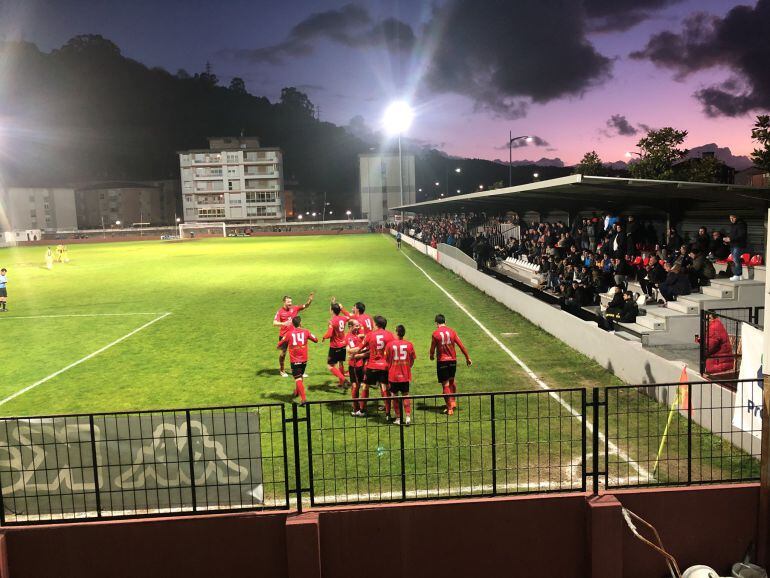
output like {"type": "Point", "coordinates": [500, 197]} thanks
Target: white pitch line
{"type": "Point", "coordinates": [643, 473]}
{"type": "Point", "coordinates": [74, 315]}
{"type": "Point", "coordinates": [86, 358]}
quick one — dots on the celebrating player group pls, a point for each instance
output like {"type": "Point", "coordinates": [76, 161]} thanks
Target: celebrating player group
{"type": "Point", "coordinates": [375, 356]}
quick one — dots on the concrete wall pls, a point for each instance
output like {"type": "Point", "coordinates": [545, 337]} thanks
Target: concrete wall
{"type": "Point", "coordinates": [566, 535]}
{"type": "Point", "coordinates": [629, 361]}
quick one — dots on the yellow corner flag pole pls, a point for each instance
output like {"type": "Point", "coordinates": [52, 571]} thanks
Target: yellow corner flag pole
{"type": "Point", "coordinates": [678, 399]}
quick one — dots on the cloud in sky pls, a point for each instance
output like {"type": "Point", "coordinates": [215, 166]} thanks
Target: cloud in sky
{"type": "Point", "coordinates": [618, 124]}
{"type": "Point", "coordinates": [351, 25]}
{"type": "Point", "coordinates": [738, 42]}
{"type": "Point", "coordinates": [489, 51]}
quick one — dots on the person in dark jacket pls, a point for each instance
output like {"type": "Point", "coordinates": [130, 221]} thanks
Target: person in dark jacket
{"type": "Point", "coordinates": [702, 241]}
{"type": "Point", "coordinates": [655, 274]}
{"type": "Point", "coordinates": [701, 269]}
{"type": "Point", "coordinates": [676, 283]}
{"type": "Point", "coordinates": [737, 237]}
{"type": "Point", "coordinates": [674, 241]}
{"type": "Point", "coordinates": [619, 242]}
{"type": "Point", "coordinates": [622, 309]}
{"type": "Point", "coordinates": [718, 249]}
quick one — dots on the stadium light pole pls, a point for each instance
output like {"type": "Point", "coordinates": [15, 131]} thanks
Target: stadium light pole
{"type": "Point", "coordinates": [512, 138]}
{"type": "Point", "coordinates": [458, 170]}
{"type": "Point", "coordinates": [396, 121]}
{"type": "Point", "coordinates": [348, 214]}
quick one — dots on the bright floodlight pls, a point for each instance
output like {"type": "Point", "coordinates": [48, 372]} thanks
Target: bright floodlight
{"type": "Point", "coordinates": [117, 223]}
{"type": "Point", "coordinates": [529, 139]}
{"type": "Point", "coordinates": [300, 217]}
{"type": "Point", "coordinates": [398, 117]}
{"type": "Point", "coordinates": [458, 170]}
{"type": "Point", "coordinates": [436, 183]}
{"type": "Point", "coordinates": [535, 175]}
{"type": "Point", "coordinates": [347, 212]}
{"type": "Point", "coordinates": [628, 154]}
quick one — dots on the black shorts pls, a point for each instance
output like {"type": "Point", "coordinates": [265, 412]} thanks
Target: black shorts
{"type": "Point", "coordinates": [283, 347]}
{"type": "Point", "coordinates": [375, 376]}
{"type": "Point", "coordinates": [298, 369]}
{"type": "Point", "coordinates": [399, 387]}
{"type": "Point", "coordinates": [336, 354]}
{"type": "Point", "coordinates": [446, 370]}
{"type": "Point", "coordinates": [356, 374]}
{"type": "Point", "coordinates": [3, 292]}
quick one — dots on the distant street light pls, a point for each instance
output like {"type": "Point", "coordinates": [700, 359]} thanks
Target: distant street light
{"type": "Point", "coordinates": [117, 223]}
{"type": "Point", "coordinates": [629, 154]}
{"type": "Point", "coordinates": [300, 216]}
{"type": "Point", "coordinates": [458, 170]}
{"type": "Point", "coordinates": [458, 191]}
{"type": "Point", "coordinates": [481, 187]}
{"type": "Point", "coordinates": [348, 213]}
{"type": "Point", "coordinates": [437, 183]}
{"type": "Point", "coordinates": [512, 138]}
{"type": "Point", "coordinates": [178, 220]}
{"type": "Point", "coordinates": [331, 212]}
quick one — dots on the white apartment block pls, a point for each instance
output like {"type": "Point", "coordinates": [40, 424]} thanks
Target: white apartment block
{"type": "Point", "coordinates": [234, 180]}
{"type": "Point", "coordinates": [47, 209]}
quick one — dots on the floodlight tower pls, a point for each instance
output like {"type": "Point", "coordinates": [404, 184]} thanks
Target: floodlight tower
{"type": "Point", "coordinates": [396, 121]}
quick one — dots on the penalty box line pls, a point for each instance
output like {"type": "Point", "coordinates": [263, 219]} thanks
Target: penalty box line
{"type": "Point", "coordinates": [10, 317]}
{"type": "Point", "coordinates": [643, 473]}
{"type": "Point", "coordinates": [84, 359]}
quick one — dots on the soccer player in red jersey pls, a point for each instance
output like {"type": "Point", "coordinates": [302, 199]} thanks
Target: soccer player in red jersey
{"type": "Point", "coordinates": [442, 344]}
{"type": "Point", "coordinates": [296, 340]}
{"type": "Point", "coordinates": [355, 342]}
{"type": "Point", "coordinates": [283, 319]}
{"type": "Point", "coordinates": [400, 356]}
{"type": "Point", "coordinates": [376, 371]}
{"type": "Point", "coordinates": [336, 336]}
{"type": "Point", "coordinates": [364, 320]}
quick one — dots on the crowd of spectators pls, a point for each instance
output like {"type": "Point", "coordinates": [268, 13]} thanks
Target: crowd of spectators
{"type": "Point", "coordinates": [594, 255]}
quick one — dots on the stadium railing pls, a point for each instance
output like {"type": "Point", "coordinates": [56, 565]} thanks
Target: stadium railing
{"type": "Point", "coordinates": [261, 457]}
{"type": "Point", "coordinates": [732, 319]}
{"type": "Point", "coordinates": [150, 463]}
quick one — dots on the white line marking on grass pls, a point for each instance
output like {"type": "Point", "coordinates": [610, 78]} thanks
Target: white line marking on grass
{"type": "Point", "coordinates": [643, 473]}
{"type": "Point", "coordinates": [86, 358]}
{"type": "Point", "coordinates": [74, 315]}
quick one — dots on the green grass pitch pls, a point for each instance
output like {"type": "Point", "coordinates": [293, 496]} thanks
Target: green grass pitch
{"type": "Point", "coordinates": [217, 345]}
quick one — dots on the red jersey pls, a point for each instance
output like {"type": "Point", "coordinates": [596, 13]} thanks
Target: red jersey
{"type": "Point", "coordinates": [284, 315]}
{"type": "Point", "coordinates": [297, 339]}
{"type": "Point", "coordinates": [443, 343]}
{"type": "Point", "coordinates": [400, 356]}
{"type": "Point", "coordinates": [354, 341]}
{"type": "Point", "coordinates": [365, 321]}
{"type": "Point", "coordinates": [336, 331]}
{"type": "Point", "coordinates": [376, 342]}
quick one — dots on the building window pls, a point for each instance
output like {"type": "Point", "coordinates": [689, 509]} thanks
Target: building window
{"type": "Point", "coordinates": [233, 157]}
{"type": "Point", "coordinates": [218, 213]}
{"type": "Point", "coordinates": [260, 197]}
{"type": "Point", "coordinates": [233, 185]}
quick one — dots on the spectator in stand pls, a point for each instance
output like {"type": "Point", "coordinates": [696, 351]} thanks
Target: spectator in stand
{"type": "Point", "coordinates": [702, 241]}
{"type": "Point", "coordinates": [737, 236]}
{"type": "Point", "coordinates": [619, 242]}
{"type": "Point", "coordinates": [654, 275]}
{"type": "Point", "coordinates": [701, 270]}
{"type": "Point", "coordinates": [621, 309]}
{"type": "Point", "coordinates": [719, 350]}
{"type": "Point", "coordinates": [634, 235]}
{"type": "Point", "coordinates": [676, 283]}
{"type": "Point", "coordinates": [621, 272]}
{"type": "Point", "coordinates": [674, 241]}
{"type": "Point", "coordinates": [718, 249]}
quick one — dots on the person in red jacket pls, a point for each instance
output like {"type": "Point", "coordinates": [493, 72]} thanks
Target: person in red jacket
{"type": "Point", "coordinates": [719, 351]}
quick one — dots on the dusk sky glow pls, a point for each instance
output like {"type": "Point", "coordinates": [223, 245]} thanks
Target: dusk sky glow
{"type": "Point", "coordinates": [558, 69]}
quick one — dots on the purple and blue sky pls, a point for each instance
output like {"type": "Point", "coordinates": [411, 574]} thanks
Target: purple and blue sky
{"type": "Point", "coordinates": [578, 74]}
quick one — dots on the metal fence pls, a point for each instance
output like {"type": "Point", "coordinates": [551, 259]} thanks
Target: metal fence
{"type": "Point", "coordinates": [100, 466]}
{"type": "Point", "coordinates": [720, 339]}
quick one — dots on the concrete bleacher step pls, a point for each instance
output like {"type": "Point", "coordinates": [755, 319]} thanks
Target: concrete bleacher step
{"type": "Point", "coordinates": [651, 322]}
{"type": "Point", "coordinates": [718, 290]}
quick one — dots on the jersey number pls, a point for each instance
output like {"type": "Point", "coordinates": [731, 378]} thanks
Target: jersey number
{"type": "Point", "coordinates": [341, 325]}
{"type": "Point", "coordinates": [368, 323]}
{"type": "Point", "coordinates": [399, 352]}
{"type": "Point", "coordinates": [297, 339]}
{"type": "Point", "coordinates": [446, 337]}
{"type": "Point", "coordinates": [380, 342]}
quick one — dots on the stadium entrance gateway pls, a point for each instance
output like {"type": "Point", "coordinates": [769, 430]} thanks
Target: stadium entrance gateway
{"type": "Point", "coordinates": [129, 464]}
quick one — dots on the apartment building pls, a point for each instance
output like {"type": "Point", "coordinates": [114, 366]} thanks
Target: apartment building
{"type": "Point", "coordinates": [132, 203]}
{"type": "Point", "coordinates": [233, 180]}
{"type": "Point", "coordinates": [47, 209]}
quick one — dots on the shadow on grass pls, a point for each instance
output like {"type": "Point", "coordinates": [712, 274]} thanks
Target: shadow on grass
{"type": "Point", "coordinates": [265, 372]}
{"type": "Point", "coordinates": [282, 397]}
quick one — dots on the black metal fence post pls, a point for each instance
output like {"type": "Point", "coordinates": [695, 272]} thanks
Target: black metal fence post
{"type": "Point", "coordinates": [400, 401]}
{"type": "Point", "coordinates": [689, 433]}
{"type": "Point", "coordinates": [297, 466]}
{"type": "Point", "coordinates": [702, 341]}
{"type": "Point", "coordinates": [595, 439]}
{"type": "Point", "coordinates": [494, 443]}
{"type": "Point", "coordinates": [311, 489]}
{"type": "Point", "coordinates": [96, 467]}
{"type": "Point", "coordinates": [286, 489]}
{"type": "Point", "coordinates": [192, 462]}
{"type": "Point", "coordinates": [583, 439]}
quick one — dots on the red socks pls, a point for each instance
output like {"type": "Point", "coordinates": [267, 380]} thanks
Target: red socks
{"type": "Point", "coordinates": [338, 374]}
{"type": "Point", "coordinates": [386, 395]}
{"type": "Point", "coordinates": [407, 406]}
{"type": "Point", "coordinates": [453, 389]}
{"type": "Point", "coordinates": [447, 398]}
{"type": "Point", "coordinates": [364, 395]}
{"type": "Point", "coordinates": [300, 390]}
